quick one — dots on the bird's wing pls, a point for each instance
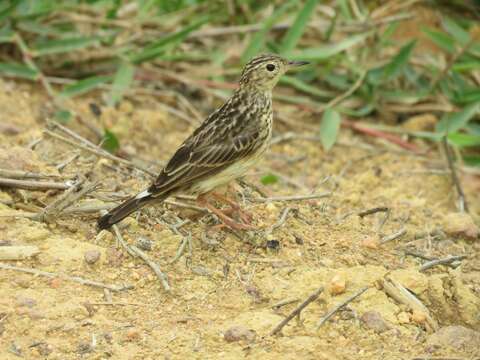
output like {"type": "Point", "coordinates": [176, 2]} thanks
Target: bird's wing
{"type": "Point", "coordinates": [209, 150]}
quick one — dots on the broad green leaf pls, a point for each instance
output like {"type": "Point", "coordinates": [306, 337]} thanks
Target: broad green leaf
{"type": "Point", "coordinates": [329, 128]}
{"type": "Point", "coordinates": [306, 88]}
{"type": "Point", "coordinates": [396, 65]}
{"type": "Point", "coordinates": [327, 51]}
{"type": "Point", "coordinates": [464, 140]}
{"type": "Point", "coordinates": [460, 34]}
{"type": "Point", "coordinates": [466, 66]}
{"type": "Point", "coordinates": [472, 160]}
{"type": "Point", "coordinates": [19, 71]}
{"type": "Point", "coordinates": [451, 123]}
{"type": "Point", "coordinates": [9, 9]}
{"type": "Point", "coordinates": [468, 96]}
{"type": "Point", "coordinates": [269, 179]}
{"type": "Point", "coordinates": [110, 141]}
{"type": "Point", "coordinates": [258, 40]}
{"type": "Point", "coordinates": [295, 32]}
{"type": "Point", "coordinates": [122, 81]}
{"type": "Point", "coordinates": [63, 116]}
{"type": "Point", "coordinates": [83, 86]}
{"type": "Point", "coordinates": [442, 40]}
{"type": "Point", "coordinates": [160, 46]}
{"type": "Point", "coordinates": [49, 47]}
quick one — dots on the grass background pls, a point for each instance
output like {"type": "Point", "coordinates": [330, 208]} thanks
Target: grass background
{"type": "Point", "coordinates": [367, 63]}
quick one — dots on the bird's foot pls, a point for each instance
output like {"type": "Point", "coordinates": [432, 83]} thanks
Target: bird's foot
{"type": "Point", "coordinates": [235, 208]}
{"type": "Point", "coordinates": [224, 218]}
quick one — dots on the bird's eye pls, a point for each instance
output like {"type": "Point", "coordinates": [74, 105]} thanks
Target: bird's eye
{"type": "Point", "coordinates": [270, 67]}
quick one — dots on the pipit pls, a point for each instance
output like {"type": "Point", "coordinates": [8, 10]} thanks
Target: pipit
{"type": "Point", "coordinates": [228, 143]}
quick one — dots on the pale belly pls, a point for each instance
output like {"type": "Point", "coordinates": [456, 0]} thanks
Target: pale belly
{"type": "Point", "coordinates": [231, 173]}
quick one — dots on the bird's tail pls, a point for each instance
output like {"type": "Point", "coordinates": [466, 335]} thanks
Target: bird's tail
{"type": "Point", "coordinates": [123, 210]}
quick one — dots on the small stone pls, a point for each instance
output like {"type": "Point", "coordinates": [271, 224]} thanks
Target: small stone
{"type": "Point", "coordinates": [238, 333]}
{"type": "Point", "coordinates": [44, 349]}
{"type": "Point", "coordinates": [370, 242]}
{"type": "Point", "coordinates": [461, 225]}
{"type": "Point", "coordinates": [423, 122]}
{"type": "Point", "coordinates": [373, 320]}
{"type": "Point", "coordinates": [84, 348]}
{"type": "Point", "coordinates": [337, 285]}
{"type": "Point", "coordinates": [91, 256]}
{"type": "Point", "coordinates": [55, 283]}
{"type": "Point", "coordinates": [114, 256]}
{"type": "Point", "coordinates": [403, 318]}
{"type": "Point", "coordinates": [144, 243]}
{"type": "Point", "coordinates": [419, 317]}
{"type": "Point", "coordinates": [132, 335]}
{"type": "Point", "coordinates": [456, 336]}
{"type": "Point", "coordinates": [35, 314]}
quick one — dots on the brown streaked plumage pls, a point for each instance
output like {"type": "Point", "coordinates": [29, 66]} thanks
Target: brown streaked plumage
{"type": "Point", "coordinates": [228, 142]}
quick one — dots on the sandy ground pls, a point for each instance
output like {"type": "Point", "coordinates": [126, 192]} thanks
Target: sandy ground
{"type": "Point", "coordinates": [224, 287]}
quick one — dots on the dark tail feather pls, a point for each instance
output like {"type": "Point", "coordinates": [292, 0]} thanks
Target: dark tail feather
{"type": "Point", "coordinates": [122, 211]}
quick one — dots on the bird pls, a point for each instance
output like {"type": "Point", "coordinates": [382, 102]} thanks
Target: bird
{"type": "Point", "coordinates": [230, 141]}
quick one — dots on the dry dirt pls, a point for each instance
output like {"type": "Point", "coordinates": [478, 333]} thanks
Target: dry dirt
{"type": "Point", "coordinates": [226, 281]}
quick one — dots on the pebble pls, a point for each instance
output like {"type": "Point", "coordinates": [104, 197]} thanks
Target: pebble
{"type": "Point", "coordinates": [456, 336]}
{"type": "Point", "coordinates": [403, 318]}
{"type": "Point", "coordinates": [132, 334]}
{"type": "Point", "coordinates": [338, 285]}
{"type": "Point", "coordinates": [91, 256]}
{"type": "Point", "coordinates": [373, 320]}
{"type": "Point", "coordinates": [144, 243]}
{"type": "Point", "coordinates": [370, 242]}
{"type": "Point", "coordinates": [419, 317]}
{"type": "Point", "coordinates": [461, 225]}
{"type": "Point", "coordinates": [239, 332]}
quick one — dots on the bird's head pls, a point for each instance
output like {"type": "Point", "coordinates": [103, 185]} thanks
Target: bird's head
{"type": "Point", "coordinates": [264, 71]}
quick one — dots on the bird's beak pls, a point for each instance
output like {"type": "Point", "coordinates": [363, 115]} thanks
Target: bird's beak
{"type": "Point", "coordinates": [297, 63]}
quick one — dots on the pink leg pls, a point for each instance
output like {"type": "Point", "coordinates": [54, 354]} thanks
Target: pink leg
{"type": "Point", "coordinates": [202, 201]}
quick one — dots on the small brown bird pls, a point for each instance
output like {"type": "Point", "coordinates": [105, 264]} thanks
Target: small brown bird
{"type": "Point", "coordinates": [228, 143]}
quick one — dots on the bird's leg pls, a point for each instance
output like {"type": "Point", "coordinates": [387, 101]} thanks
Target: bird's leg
{"type": "Point", "coordinates": [235, 207]}
{"type": "Point", "coordinates": [202, 201]}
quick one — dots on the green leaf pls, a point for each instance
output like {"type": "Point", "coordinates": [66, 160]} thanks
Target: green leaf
{"type": "Point", "coordinates": [451, 123]}
{"type": "Point", "coordinates": [466, 66]}
{"type": "Point", "coordinates": [306, 88]}
{"type": "Point", "coordinates": [258, 40]}
{"type": "Point", "coordinates": [110, 141]}
{"type": "Point", "coordinates": [329, 128]}
{"type": "Point", "coordinates": [399, 61]}
{"type": "Point", "coordinates": [460, 34]}
{"type": "Point", "coordinates": [269, 179]}
{"type": "Point", "coordinates": [160, 46]}
{"type": "Point", "coordinates": [468, 96]}
{"type": "Point", "coordinates": [49, 47]}
{"type": "Point", "coordinates": [83, 86]}
{"type": "Point", "coordinates": [442, 40]}
{"type": "Point", "coordinates": [327, 51]}
{"type": "Point", "coordinates": [19, 71]}
{"type": "Point", "coordinates": [464, 140]}
{"type": "Point", "coordinates": [122, 81]}
{"type": "Point", "coordinates": [6, 35]}
{"type": "Point", "coordinates": [472, 160]}
{"type": "Point", "coordinates": [63, 116]}
{"type": "Point", "coordinates": [8, 10]}
{"type": "Point", "coordinates": [295, 32]}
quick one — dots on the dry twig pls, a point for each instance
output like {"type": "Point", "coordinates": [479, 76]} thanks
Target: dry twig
{"type": "Point", "coordinates": [445, 261]}
{"type": "Point", "coordinates": [332, 312]}
{"type": "Point", "coordinates": [462, 202]}
{"type": "Point", "coordinates": [297, 311]}
{"type": "Point", "coordinates": [76, 279]}
{"type": "Point", "coordinates": [154, 266]}
{"type": "Point", "coordinates": [33, 185]}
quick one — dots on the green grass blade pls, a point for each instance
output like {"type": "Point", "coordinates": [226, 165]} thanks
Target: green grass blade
{"type": "Point", "coordinates": [455, 30]}
{"type": "Point", "coordinates": [159, 47]}
{"type": "Point", "coordinates": [50, 47]}
{"type": "Point", "coordinates": [325, 52]}
{"type": "Point", "coordinates": [329, 128]}
{"type": "Point", "coordinates": [442, 40]}
{"type": "Point", "coordinates": [110, 141]}
{"type": "Point", "coordinates": [295, 32]}
{"type": "Point", "coordinates": [399, 61]}
{"type": "Point", "coordinates": [463, 140]}
{"type": "Point", "coordinates": [83, 86]}
{"type": "Point", "coordinates": [258, 40]}
{"type": "Point", "coordinates": [6, 35]}
{"type": "Point", "coordinates": [306, 88]}
{"type": "Point", "coordinates": [18, 71]}
{"type": "Point", "coordinates": [122, 81]}
{"type": "Point", "coordinates": [451, 123]}
{"type": "Point", "coordinates": [8, 10]}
